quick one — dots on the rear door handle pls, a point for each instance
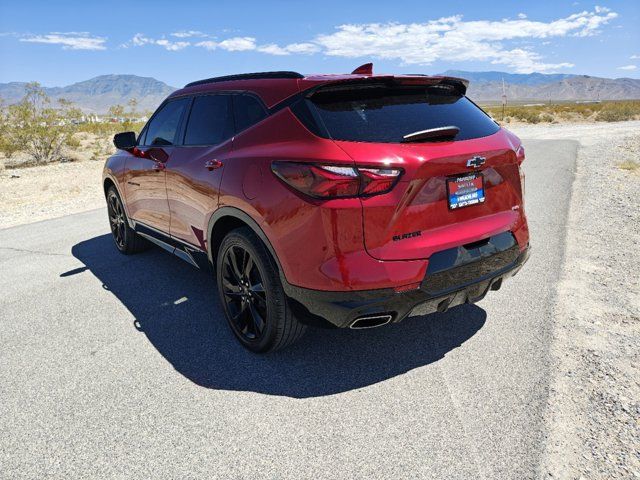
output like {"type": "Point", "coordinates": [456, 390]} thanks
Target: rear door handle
{"type": "Point", "coordinates": [212, 164]}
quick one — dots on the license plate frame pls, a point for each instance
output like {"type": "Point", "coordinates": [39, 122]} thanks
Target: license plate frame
{"type": "Point", "coordinates": [472, 187]}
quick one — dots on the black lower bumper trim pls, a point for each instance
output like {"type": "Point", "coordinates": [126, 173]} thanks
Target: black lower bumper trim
{"type": "Point", "coordinates": [465, 282]}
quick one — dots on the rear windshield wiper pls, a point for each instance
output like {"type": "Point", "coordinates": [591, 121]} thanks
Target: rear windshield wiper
{"type": "Point", "coordinates": [431, 134]}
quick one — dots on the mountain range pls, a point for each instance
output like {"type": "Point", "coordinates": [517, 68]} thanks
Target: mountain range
{"type": "Point", "coordinates": [488, 87]}
{"type": "Point", "coordinates": [96, 95]}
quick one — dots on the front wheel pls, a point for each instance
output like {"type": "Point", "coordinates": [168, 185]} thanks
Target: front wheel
{"type": "Point", "coordinates": [125, 238]}
{"type": "Point", "coordinates": [251, 294]}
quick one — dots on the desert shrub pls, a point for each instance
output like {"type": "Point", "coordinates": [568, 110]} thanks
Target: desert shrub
{"type": "Point", "coordinates": [72, 141]}
{"type": "Point", "coordinates": [36, 128]}
{"type": "Point", "coordinates": [606, 111]}
{"type": "Point", "coordinates": [619, 111]}
{"type": "Point", "coordinates": [530, 116]}
{"type": "Point", "coordinates": [110, 128]}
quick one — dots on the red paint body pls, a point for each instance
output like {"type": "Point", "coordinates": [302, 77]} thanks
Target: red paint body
{"type": "Point", "coordinates": [331, 245]}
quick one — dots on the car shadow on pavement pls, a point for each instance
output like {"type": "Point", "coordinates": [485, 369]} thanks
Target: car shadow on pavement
{"type": "Point", "coordinates": [176, 306]}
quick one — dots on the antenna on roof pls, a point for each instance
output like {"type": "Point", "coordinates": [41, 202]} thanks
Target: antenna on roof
{"type": "Point", "coordinates": [366, 69]}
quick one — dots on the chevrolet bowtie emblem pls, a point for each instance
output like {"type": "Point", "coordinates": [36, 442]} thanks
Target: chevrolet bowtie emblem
{"type": "Point", "coordinates": [476, 162]}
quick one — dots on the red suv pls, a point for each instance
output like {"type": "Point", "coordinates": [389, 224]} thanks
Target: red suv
{"type": "Point", "coordinates": [346, 200]}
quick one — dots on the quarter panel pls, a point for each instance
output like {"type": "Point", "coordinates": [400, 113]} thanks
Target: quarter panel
{"type": "Point", "coordinates": [319, 244]}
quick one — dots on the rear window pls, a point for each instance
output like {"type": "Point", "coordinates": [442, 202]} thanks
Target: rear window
{"type": "Point", "coordinates": [386, 114]}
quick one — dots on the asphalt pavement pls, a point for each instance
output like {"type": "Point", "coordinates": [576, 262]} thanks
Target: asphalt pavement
{"type": "Point", "coordinates": [123, 367]}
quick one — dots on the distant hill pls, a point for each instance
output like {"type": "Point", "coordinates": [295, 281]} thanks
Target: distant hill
{"type": "Point", "coordinates": [99, 93]}
{"type": "Point", "coordinates": [511, 78]}
{"type": "Point", "coordinates": [487, 86]}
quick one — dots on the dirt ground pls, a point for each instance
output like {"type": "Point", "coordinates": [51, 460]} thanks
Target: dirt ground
{"type": "Point", "coordinates": [38, 193]}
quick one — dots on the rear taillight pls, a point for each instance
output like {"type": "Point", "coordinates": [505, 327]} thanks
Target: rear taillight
{"type": "Point", "coordinates": [336, 181]}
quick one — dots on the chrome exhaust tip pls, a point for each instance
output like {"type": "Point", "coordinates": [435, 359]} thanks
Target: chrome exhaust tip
{"type": "Point", "coordinates": [370, 322]}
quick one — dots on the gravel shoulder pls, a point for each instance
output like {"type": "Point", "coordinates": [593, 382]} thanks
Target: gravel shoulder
{"type": "Point", "coordinates": [593, 431]}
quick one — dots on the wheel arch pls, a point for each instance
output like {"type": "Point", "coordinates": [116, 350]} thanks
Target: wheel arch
{"type": "Point", "coordinates": [109, 181]}
{"type": "Point", "coordinates": [226, 219]}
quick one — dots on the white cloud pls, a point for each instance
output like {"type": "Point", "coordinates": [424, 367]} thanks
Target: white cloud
{"type": "Point", "coordinates": [188, 34]}
{"type": "Point", "coordinates": [272, 49]}
{"type": "Point", "coordinates": [238, 44]}
{"type": "Point", "coordinates": [208, 44]}
{"type": "Point", "coordinates": [304, 48]}
{"type": "Point", "coordinates": [234, 44]}
{"type": "Point", "coordinates": [172, 46]}
{"type": "Point", "coordinates": [453, 39]}
{"type": "Point", "coordinates": [628, 67]}
{"type": "Point", "coordinates": [139, 40]}
{"type": "Point", "coordinates": [634, 57]}
{"type": "Point", "coordinates": [69, 40]}
{"type": "Point", "coordinates": [301, 48]}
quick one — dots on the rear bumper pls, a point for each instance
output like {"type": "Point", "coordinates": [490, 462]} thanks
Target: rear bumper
{"type": "Point", "coordinates": [455, 276]}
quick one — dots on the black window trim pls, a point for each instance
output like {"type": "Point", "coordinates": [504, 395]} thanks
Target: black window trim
{"type": "Point", "coordinates": [182, 127]}
{"type": "Point", "coordinates": [144, 130]}
{"type": "Point", "coordinates": [232, 94]}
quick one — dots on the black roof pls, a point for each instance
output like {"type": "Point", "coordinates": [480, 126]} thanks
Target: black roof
{"type": "Point", "coordinates": [247, 76]}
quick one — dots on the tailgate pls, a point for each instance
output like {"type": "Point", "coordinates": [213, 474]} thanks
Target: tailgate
{"type": "Point", "coordinates": [415, 219]}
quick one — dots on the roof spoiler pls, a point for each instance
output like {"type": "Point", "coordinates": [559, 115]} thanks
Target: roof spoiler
{"type": "Point", "coordinates": [459, 84]}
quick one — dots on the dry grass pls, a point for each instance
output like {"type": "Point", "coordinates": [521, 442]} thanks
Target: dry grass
{"type": "Point", "coordinates": [630, 166]}
{"type": "Point", "coordinates": [613, 111]}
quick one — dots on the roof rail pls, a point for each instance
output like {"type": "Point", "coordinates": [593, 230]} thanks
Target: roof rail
{"type": "Point", "coordinates": [247, 76]}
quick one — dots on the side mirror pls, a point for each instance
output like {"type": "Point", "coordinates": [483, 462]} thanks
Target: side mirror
{"type": "Point", "coordinates": [124, 140]}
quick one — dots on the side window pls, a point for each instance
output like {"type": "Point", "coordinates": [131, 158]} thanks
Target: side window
{"type": "Point", "coordinates": [163, 127]}
{"type": "Point", "coordinates": [248, 111]}
{"type": "Point", "coordinates": [210, 120]}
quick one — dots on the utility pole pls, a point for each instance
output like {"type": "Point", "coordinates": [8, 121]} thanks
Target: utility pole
{"type": "Point", "coordinates": [504, 99]}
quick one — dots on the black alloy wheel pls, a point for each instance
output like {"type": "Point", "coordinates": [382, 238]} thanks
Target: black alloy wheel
{"type": "Point", "coordinates": [251, 293]}
{"type": "Point", "coordinates": [117, 219]}
{"type": "Point", "coordinates": [244, 293]}
{"type": "Point", "coordinates": [125, 237]}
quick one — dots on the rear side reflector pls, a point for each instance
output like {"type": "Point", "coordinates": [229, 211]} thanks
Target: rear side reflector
{"type": "Point", "coordinates": [336, 181]}
{"type": "Point", "coordinates": [407, 288]}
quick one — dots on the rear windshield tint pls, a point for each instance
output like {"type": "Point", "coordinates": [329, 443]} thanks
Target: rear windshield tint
{"type": "Point", "coordinates": [386, 114]}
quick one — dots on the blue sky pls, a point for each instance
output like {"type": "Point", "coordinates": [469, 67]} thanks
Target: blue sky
{"type": "Point", "coordinates": [61, 42]}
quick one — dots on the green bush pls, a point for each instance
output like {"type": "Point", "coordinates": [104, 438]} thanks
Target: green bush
{"type": "Point", "coordinates": [72, 142]}
{"type": "Point", "coordinates": [34, 127]}
{"type": "Point", "coordinates": [607, 111]}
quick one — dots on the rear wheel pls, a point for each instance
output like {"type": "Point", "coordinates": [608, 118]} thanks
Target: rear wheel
{"type": "Point", "coordinates": [252, 295]}
{"type": "Point", "coordinates": [125, 238]}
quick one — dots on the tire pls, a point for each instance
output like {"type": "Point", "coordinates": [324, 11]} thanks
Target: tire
{"type": "Point", "coordinates": [126, 239]}
{"type": "Point", "coordinates": [251, 294]}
